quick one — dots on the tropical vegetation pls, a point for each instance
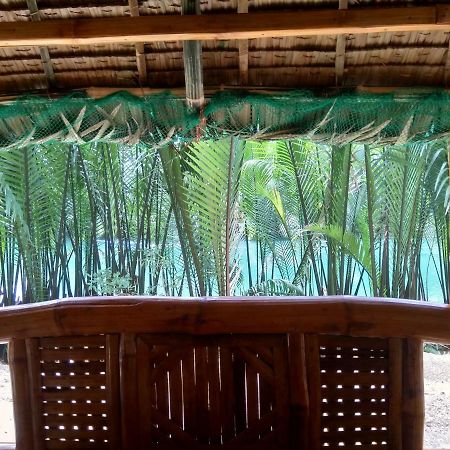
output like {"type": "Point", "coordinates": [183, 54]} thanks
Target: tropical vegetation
{"type": "Point", "coordinates": [224, 217]}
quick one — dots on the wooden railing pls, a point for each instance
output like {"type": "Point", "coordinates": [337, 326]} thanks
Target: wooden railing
{"type": "Point", "coordinates": [241, 373]}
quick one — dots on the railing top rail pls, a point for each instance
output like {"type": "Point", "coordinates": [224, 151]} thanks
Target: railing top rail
{"type": "Point", "coordinates": [358, 316]}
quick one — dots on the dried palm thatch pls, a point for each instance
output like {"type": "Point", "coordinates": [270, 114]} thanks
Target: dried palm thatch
{"type": "Point", "coordinates": [160, 118]}
{"type": "Point", "coordinates": [382, 59]}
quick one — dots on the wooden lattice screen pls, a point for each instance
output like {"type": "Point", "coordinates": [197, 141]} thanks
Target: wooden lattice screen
{"type": "Point", "coordinates": [355, 385]}
{"type": "Point", "coordinates": [74, 386]}
{"type": "Point", "coordinates": [139, 391]}
{"type": "Point", "coordinates": [214, 390]}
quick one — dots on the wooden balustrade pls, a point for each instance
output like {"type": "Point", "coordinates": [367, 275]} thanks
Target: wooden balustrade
{"type": "Point", "coordinates": [242, 373]}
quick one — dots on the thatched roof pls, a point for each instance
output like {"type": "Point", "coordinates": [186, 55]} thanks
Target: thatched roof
{"type": "Point", "coordinates": [419, 57]}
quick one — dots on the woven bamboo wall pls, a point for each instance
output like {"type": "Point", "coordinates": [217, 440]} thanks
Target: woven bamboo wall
{"type": "Point", "coordinates": [230, 391]}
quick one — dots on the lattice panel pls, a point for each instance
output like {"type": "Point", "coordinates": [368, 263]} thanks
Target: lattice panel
{"type": "Point", "coordinates": [74, 391]}
{"type": "Point", "coordinates": [213, 391]}
{"type": "Point", "coordinates": [354, 392]}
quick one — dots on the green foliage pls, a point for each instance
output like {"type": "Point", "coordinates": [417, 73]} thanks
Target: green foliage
{"type": "Point", "coordinates": [223, 217]}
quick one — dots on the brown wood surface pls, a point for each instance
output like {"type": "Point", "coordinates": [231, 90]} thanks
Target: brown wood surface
{"type": "Point", "coordinates": [332, 315]}
{"type": "Point", "coordinates": [36, 394]}
{"type": "Point", "coordinates": [129, 392]}
{"type": "Point", "coordinates": [199, 372]}
{"type": "Point", "coordinates": [395, 392]}
{"type": "Point", "coordinates": [18, 365]}
{"type": "Point", "coordinates": [413, 413]}
{"type": "Point", "coordinates": [224, 26]}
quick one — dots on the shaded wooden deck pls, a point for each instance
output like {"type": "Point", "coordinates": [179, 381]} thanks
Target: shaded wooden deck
{"type": "Point", "coordinates": [246, 373]}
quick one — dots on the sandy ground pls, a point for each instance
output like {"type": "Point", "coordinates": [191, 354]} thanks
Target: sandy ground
{"type": "Point", "coordinates": [6, 407]}
{"type": "Point", "coordinates": [437, 402]}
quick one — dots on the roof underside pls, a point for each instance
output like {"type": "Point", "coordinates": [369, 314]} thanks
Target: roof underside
{"type": "Point", "coordinates": [381, 59]}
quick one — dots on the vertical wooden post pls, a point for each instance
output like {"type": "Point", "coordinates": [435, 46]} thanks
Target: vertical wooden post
{"type": "Point", "coordinates": [113, 390]}
{"type": "Point", "coordinates": [141, 61]}
{"type": "Point", "coordinates": [340, 51]}
{"type": "Point", "coordinates": [43, 51]}
{"type": "Point", "coordinates": [395, 393]}
{"type": "Point", "coordinates": [299, 392]}
{"type": "Point", "coordinates": [17, 355]}
{"type": "Point", "coordinates": [413, 409]}
{"type": "Point", "coordinates": [34, 379]}
{"type": "Point", "coordinates": [193, 65]}
{"type": "Point", "coordinates": [313, 380]}
{"type": "Point", "coordinates": [243, 48]}
{"type": "Point", "coordinates": [128, 390]}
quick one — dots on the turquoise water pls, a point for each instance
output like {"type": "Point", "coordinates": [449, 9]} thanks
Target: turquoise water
{"type": "Point", "coordinates": [428, 269]}
{"type": "Point", "coordinates": [429, 272]}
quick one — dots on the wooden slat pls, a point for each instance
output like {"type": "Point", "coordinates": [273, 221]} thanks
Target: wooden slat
{"type": "Point", "coordinates": [74, 394]}
{"type": "Point", "coordinates": [113, 392]}
{"type": "Point", "coordinates": [227, 401]}
{"type": "Point", "coordinates": [81, 421]}
{"type": "Point", "coordinates": [18, 365]}
{"type": "Point", "coordinates": [129, 394]}
{"type": "Point", "coordinates": [80, 368]}
{"type": "Point", "coordinates": [94, 381]}
{"type": "Point", "coordinates": [146, 394]}
{"type": "Point", "coordinates": [351, 421]}
{"type": "Point", "coordinates": [299, 392]}
{"type": "Point", "coordinates": [73, 445]}
{"type": "Point", "coordinates": [189, 396]}
{"type": "Point", "coordinates": [157, 28]}
{"type": "Point", "coordinates": [282, 394]}
{"type": "Point", "coordinates": [36, 394]}
{"type": "Point", "coordinates": [313, 380]}
{"type": "Point", "coordinates": [78, 354]}
{"type": "Point", "coordinates": [351, 393]}
{"type": "Point", "coordinates": [214, 399]}
{"type": "Point", "coordinates": [350, 379]}
{"type": "Point", "coordinates": [94, 408]}
{"type": "Point", "coordinates": [201, 394]}
{"type": "Point", "coordinates": [413, 408]}
{"type": "Point", "coordinates": [395, 393]}
{"type": "Point", "coordinates": [72, 342]}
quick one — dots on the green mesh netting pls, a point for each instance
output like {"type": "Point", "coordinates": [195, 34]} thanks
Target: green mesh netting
{"type": "Point", "coordinates": [160, 118]}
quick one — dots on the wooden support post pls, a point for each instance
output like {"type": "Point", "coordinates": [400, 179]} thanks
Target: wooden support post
{"type": "Point", "coordinates": [140, 49]}
{"type": "Point", "coordinates": [340, 50]}
{"type": "Point", "coordinates": [129, 393]}
{"type": "Point", "coordinates": [243, 48]}
{"type": "Point", "coordinates": [45, 55]}
{"type": "Point", "coordinates": [113, 386]}
{"type": "Point", "coordinates": [413, 410]}
{"type": "Point", "coordinates": [18, 365]}
{"type": "Point", "coordinates": [314, 387]}
{"type": "Point", "coordinates": [395, 393]}
{"type": "Point", "coordinates": [299, 392]}
{"type": "Point", "coordinates": [193, 66]}
{"type": "Point", "coordinates": [34, 378]}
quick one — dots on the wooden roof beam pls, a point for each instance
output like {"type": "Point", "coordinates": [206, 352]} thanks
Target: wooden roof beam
{"type": "Point", "coordinates": [157, 28]}
{"type": "Point", "coordinates": [43, 51]}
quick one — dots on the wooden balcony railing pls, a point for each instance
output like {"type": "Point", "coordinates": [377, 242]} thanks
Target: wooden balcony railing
{"type": "Point", "coordinates": [242, 373]}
